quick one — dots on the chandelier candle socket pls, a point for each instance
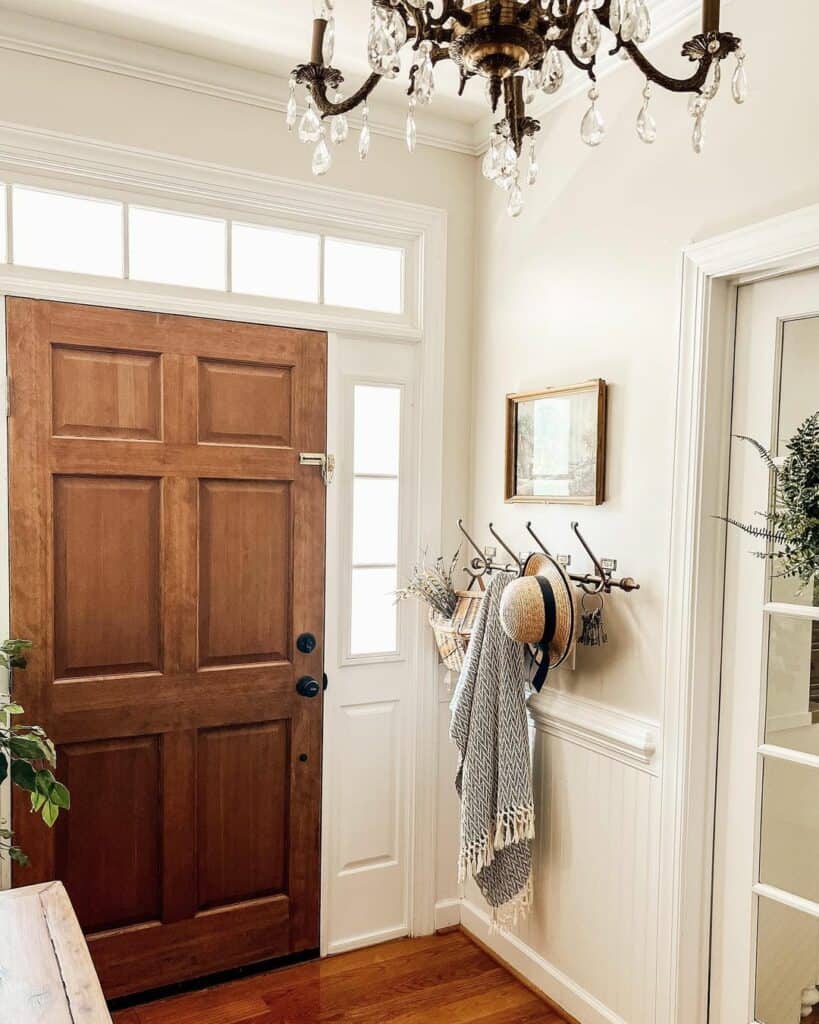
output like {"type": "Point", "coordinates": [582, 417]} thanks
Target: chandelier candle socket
{"type": "Point", "coordinates": [520, 48]}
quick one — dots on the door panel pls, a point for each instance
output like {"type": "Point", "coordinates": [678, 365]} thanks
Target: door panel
{"type": "Point", "coordinates": [114, 873]}
{"type": "Point", "coordinates": [106, 575]}
{"type": "Point", "coordinates": [167, 548]}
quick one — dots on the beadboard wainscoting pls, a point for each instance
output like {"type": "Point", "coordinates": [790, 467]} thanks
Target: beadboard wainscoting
{"type": "Point", "coordinates": [590, 943]}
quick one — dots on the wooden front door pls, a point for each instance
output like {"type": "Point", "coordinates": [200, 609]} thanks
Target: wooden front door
{"type": "Point", "coordinates": [167, 550]}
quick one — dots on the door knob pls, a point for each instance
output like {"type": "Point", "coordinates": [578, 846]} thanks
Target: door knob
{"type": "Point", "coordinates": [308, 687]}
{"type": "Point", "coordinates": [306, 643]}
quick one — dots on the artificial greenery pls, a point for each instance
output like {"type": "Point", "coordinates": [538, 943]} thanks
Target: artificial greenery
{"type": "Point", "coordinates": [27, 756]}
{"type": "Point", "coordinates": [434, 585]}
{"type": "Point", "coordinates": [792, 528]}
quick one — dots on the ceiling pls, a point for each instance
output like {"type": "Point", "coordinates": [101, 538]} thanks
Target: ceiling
{"type": "Point", "coordinates": [264, 35]}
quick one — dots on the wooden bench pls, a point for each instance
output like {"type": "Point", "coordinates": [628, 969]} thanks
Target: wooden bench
{"type": "Point", "coordinates": [46, 973]}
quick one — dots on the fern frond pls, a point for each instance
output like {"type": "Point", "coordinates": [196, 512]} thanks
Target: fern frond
{"type": "Point", "coordinates": [764, 454]}
{"type": "Point", "coordinates": [758, 532]}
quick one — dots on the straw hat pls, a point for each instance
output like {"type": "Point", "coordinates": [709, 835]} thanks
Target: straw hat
{"type": "Point", "coordinates": [539, 609]}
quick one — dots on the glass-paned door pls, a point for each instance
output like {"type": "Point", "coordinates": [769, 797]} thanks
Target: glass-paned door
{"type": "Point", "coordinates": [765, 950]}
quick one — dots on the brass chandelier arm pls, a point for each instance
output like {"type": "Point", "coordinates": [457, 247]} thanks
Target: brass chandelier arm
{"type": "Point", "coordinates": [693, 83]}
{"type": "Point", "coordinates": [319, 82]}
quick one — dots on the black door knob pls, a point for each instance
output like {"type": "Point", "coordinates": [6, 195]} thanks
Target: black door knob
{"type": "Point", "coordinates": [306, 643]}
{"type": "Point", "coordinates": [308, 687]}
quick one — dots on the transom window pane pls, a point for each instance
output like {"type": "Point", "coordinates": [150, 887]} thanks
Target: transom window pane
{"type": "Point", "coordinates": [363, 276]}
{"type": "Point", "coordinates": [174, 248]}
{"type": "Point", "coordinates": [53, 231]}
{"type": "Point", "coordinates": [276, 264]}
{"type": "Point", "coordinates": [376, 489]}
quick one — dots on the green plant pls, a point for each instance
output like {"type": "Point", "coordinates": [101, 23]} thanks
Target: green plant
{"type": "Point", "coordinates": [27, 756]}
{"type": "Point", "coordinates": [792, 528]}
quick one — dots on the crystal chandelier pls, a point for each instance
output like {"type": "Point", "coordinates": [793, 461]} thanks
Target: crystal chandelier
{"type": "Point", "coordinates": [519, 49]}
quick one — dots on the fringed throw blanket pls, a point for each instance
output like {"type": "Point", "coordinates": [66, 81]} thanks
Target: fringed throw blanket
{"type": "Point", "coordinates": [494, 779]}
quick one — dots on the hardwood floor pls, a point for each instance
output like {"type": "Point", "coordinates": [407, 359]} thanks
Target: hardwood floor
{"type": "Point", "coordinates": [443, 978]}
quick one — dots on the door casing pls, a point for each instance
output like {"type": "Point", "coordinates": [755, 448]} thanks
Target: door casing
{"type": "Point", "coordinates": [711, 273]}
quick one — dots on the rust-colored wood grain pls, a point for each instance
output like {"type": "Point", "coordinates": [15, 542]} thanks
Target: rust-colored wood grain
{"type": "Point", "coordinates": [444, 979]}
{"type": "Point", "coordinates": [166, 550]}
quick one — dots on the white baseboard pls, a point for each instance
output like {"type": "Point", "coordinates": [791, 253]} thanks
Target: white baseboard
{"type": "Point", "coordinates": [539, 973]}
{"type": "Point", "coordinates": [366, 939]}
{"type": "Point", "coordinates": [447, 914]}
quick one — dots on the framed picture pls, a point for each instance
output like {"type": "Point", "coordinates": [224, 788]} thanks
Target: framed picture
{"type": "Point", "coordinates": [556, 445]}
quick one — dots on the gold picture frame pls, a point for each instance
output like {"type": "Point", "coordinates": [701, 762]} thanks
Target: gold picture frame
{"type": "Point", "coordinates": [556, 445]}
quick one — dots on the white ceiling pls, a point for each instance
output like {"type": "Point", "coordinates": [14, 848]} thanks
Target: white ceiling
{"type": "Point", "coordinates": [264, 35]}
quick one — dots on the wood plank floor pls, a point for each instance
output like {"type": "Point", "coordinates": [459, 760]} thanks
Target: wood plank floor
{"type": "Point", "coordinates": [443, 979]}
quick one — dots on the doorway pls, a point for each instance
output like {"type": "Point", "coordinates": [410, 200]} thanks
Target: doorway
{"type": "Point", "coordinates": [167, 560]}
{"type": "Point", "coordinates": [765, 940]}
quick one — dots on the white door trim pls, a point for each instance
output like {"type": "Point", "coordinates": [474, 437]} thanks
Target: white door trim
{"type": "Point", "coordinates": [711, 273]}
{"type": "Point", "coordinates": [62, 160]}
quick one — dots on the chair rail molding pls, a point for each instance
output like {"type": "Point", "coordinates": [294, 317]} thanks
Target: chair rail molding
{"type": "Point", "coordinates": [597, 727]}
{"type": "Point", "coordinates": [711, 272]}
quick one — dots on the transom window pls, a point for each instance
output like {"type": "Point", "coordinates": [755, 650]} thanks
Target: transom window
{"type": "Point", "coordinates": [53, 230]}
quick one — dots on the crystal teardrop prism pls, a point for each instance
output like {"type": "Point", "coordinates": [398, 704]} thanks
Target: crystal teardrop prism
{"type": "Point", "coordinates": [614, 16]}
{"type": "Point", "coordinates": [491, 166]}
{"type": "Point", "coordinates": [508, 165]}
{"type": "Point", "coordinates": [292, 109]}
{"type": "Point", "coordinates": [593, 127]}
{"type": "Point", "coordinates": [412, 131]}
{"type": "Point", "coordinates": [553, 70]}
{"type": "Point", "coordinates": [628, 20]}
{"type": "Point", "coordinates": [698, 138]}
{"type": "Point", "coordinates": [387, 34]}
{"type": "Point", "coordinates": [515, 207]}
{"type": "Point", "coordinates": [713, 81]}
{"type": "Point", "coordinates": [322, 159]}
{"type": "Point", "coordinates": [739, 82]}
{"type": "Point", "coordinates": [425, 75]}
{"type": "Point", "coordinates": [364, 137]}
{"type": "Point", "coordinates": [646, 125]}
{"type": "Point", "coordinates": [642, 24]}
{"type": "Point", "coordinates": [534, 167]}
{"type": "Point", "coordinates": [310, 124]}
{"type": "Point", "coordinates": [586, 36]}
{"type": "Point", "coordinates": [530, 82]}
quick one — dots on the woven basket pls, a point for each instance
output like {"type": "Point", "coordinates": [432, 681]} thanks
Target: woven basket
{"type": "Point", "coordinates": [453, 635]}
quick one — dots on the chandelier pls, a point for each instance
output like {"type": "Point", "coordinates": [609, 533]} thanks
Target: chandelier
{"type": "Point", "coordinates": [519, 49]}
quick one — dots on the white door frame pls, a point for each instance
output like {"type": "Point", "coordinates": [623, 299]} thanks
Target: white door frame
{"type": "Point", "coordinates": [84, 166]}
{"type": "Point", "coordinates": [711, 273]}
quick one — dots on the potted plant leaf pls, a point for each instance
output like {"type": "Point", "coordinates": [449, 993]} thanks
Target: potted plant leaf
{"type": "Point", "coordinates": [792, 528]}
{"type": "Point", "coordinates": [27, 756]}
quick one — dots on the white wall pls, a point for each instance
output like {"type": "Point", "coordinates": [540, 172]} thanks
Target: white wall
{"type": "Point", "coordinates": [586, 284]}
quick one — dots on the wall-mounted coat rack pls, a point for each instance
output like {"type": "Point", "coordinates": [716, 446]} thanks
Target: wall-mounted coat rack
{"type": "Point", "coordinates": [601, 581]}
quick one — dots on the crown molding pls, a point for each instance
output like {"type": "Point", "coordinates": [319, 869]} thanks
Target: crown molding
{"type": "Point", "coordinates": [605, 730]}
{"type": "Point", "coordinates": [40, 37]}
